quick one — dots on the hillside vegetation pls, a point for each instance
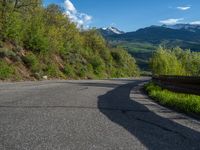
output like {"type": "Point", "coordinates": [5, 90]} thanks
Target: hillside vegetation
{"type": "Point", "coordinates": [37, 41]}
{"type": "Point", "coordinates": [175, 62]}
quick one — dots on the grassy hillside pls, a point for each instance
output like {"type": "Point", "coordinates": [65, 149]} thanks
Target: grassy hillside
{"type": "Point", "coordinates": [37, 41]}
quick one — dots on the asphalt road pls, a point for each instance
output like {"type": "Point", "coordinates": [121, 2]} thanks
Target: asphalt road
{"type": "Point", "coordinates": [90, 115]}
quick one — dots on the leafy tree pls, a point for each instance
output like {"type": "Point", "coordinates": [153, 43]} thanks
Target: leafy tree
{"type": "Point", "coordinates": [94, 40]}
{"type": "Point", "coordinates": [175, 62]}
{"type": "Point", "coordinates": [35, 38]}
{"type": "Point", "coordinates": [9, 10]}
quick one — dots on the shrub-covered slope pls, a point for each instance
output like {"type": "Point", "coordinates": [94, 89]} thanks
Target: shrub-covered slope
{"type": "Point", "coordinates": [37, 41]}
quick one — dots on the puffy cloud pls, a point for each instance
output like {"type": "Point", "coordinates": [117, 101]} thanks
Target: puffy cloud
{"type": "Point", "coordinates": [70, 7]}
{"type": "Point", "coordinates": [171, 21]}
{"type": "Point", "coordinates": [184, 7]}
{"type": "Point", "coordinates": [81, 19]}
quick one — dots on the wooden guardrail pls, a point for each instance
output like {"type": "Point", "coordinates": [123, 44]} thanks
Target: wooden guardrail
{"type": "Point", "coordinates": [183, 84]}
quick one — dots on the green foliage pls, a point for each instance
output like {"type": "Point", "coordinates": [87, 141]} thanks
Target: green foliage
{"type": "Point", "coordinates": [175, 62]}
{"type": "Point", "coordinates": [81, 70]}
{"type": "Point", "coordinates": [94, 40]}
{"type": "Point", "coordinates": [13, 27]}
{"type": "Point", "coordinates": [53, 71]}
{"type": "Point", "coordinates": [123, 62]}
{"type": "Point", "coordinates": [116, 56]}
{"type": "Point", "coordinates": [98, 65]}
{"type": "Point", "coordinates": [50, 44]}
{"type": "Point", "coordinates": [164, 62]}
{"type": "Point", "coordinates": [184, 102]}
{"type": "Point", "coordinates": [69, 71]}
{"type": "Point", "coordinates": [32, 62]}
{"type": "Point", "coordinates": [35, 38]}
{"type": "Point", "coordinates": [6, 71]}
{"type": "Point", "coordinates": [190, 61]}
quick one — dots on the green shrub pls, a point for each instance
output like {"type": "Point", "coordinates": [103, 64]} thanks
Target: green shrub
{"type": "Point", "coordinates": [175, 61]}
{"type": "Point", "coordinates": [94, 40]}
{"type": "Point", "coordinates": [116, 56]}
{"type": "Point", "coordinates": [98, 65]}
{"type": "Point", "coordinates": [53, 71]}
{"type": "Point", "coordinates": [105, 55]}
{"type": "Point", "coordinates": [37, 43]}
{"type": "Point", "coordinates": [69, 71]}
{"type": "Point", "coordinates": [32, 62]}
{"type": "Point", "coordinates": [13, 27]}
{"type": "Point", "coordinates": [35, 37]}
{"type": "Point", "coordinates": [6, 71]}
{"type": "Point", "coordinates": [79, 70]}
{"type": "Point", "coordinates": [90, 71]}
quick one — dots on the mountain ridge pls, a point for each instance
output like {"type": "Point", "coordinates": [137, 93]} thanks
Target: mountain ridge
{"type": "Point", "coordinates": [190, 27]}
{"type": "Point", "coordinates": [186, 36]}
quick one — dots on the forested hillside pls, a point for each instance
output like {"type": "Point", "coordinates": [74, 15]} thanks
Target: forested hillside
{"type": "Point", "coordinates": [37, 41]}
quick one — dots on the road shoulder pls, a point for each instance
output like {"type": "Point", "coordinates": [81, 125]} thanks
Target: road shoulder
{"type": "Point", "coordinates": [138, 95]}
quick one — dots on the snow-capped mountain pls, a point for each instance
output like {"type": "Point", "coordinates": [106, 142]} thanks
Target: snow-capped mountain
{"type": "Point", "coordinates": [114, 30]}
{"type": "Point", "coordinates": [110, 31]}
{"type": "Point", "coordinates": [189, 27]}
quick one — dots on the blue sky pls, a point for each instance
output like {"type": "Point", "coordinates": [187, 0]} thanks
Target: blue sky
{"type": "Point", "coordinates": [130, 15]}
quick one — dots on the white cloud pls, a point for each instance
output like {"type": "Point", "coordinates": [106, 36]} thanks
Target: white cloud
{"type": "Point", "coordinates": [81, 19]}
{"type": "Point", "coordinates": [183, 7]}
{"type": "Point", "coordinates": [195, 23]}
{"type": "Point", "coordinates": [171, 21]}
{"type": "Point", "coordinates": [70, 7]}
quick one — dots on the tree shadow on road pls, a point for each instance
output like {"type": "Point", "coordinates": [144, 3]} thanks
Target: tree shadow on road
{"type": "Point", "coordinates": [152, 130]}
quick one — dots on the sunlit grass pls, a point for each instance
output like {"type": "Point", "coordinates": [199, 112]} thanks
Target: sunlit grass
{"type": "Point", "coordinates": [187, 103]}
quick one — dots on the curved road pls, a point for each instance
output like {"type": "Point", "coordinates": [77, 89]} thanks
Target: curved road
{"type": "Point", "coordinates": [90, 115]}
